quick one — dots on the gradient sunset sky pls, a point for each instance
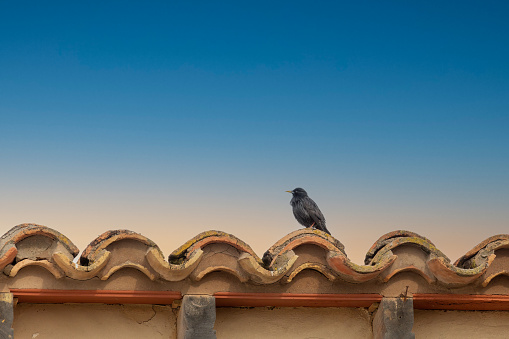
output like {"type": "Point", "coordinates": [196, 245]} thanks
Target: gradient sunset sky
{"type": "Point", "coordinates": [173, 118]}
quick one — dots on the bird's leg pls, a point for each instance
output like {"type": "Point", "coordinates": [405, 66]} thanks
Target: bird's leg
{"type": "Point", "coordinates": [312, 225]}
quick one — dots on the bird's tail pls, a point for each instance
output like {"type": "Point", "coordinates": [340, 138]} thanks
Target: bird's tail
{"type": "Point", "coordinates": [322, 227]}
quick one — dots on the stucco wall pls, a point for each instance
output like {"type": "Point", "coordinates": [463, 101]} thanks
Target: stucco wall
{"type": "Point", "coordinates": [64, 321]}
{"type": "Point", "coordinates": [292, 323]}
{"type": "Point", "coordinates": [460, 324]}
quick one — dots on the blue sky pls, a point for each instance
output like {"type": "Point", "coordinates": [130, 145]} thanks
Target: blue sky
{"type": "Point", "coordinates": [174, 118]}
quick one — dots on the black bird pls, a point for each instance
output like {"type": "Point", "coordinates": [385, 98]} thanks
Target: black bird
{"type": "Point", "coordinates": [306, 211]}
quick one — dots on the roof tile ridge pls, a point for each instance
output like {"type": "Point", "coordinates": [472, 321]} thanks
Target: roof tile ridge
{"type": "Point", "coordinates": [302, 237]}
{"type": "Point", "coordinates": [397, 238]}
{"type": "Point", "coordinates": [209, 237]}
{"type": "Point", "coordinates": [478, 254]}
{"type": "Point", "coordinates": [23, 231]}
{"type": "Point", "coordinates": [93, 250]}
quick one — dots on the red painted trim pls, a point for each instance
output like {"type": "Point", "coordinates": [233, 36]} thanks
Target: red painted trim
{"type": "Point", "coordinates": [467, 302]}
{"type": "Point", "coordinates": [230, 299]}
{"type": "Point", "coordinates": [93, 296]}
{"type": "Point", "coordinates": [424, 301]}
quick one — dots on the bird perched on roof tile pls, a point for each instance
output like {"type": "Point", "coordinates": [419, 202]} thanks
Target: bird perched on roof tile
{"type": "Point", "coordinates": [306, 211]}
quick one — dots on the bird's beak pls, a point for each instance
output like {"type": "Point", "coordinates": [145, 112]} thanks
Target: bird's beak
{"type": "Point", "coordinates": [289, 191]}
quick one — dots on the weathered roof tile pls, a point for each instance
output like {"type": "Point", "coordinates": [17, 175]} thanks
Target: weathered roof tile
{"type": "Point", "coordinates": [214, 251]}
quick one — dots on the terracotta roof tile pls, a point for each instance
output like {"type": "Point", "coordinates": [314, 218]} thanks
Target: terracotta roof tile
{"type": "Point", "coordinates": [301, 251]}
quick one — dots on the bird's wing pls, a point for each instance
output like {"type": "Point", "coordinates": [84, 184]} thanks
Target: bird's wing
{"type": "Point", "coordinates": [313, 211]}
{"type": "Point", "coordinates": [300, 212]}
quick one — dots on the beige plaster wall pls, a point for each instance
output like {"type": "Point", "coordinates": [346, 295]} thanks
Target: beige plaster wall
{"type": "Point", "coordinates": [461, 324]}
{"type": "Point", "coordinates": [292, 323]}
{"type": "Point", "coordinates": [76, 321]}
